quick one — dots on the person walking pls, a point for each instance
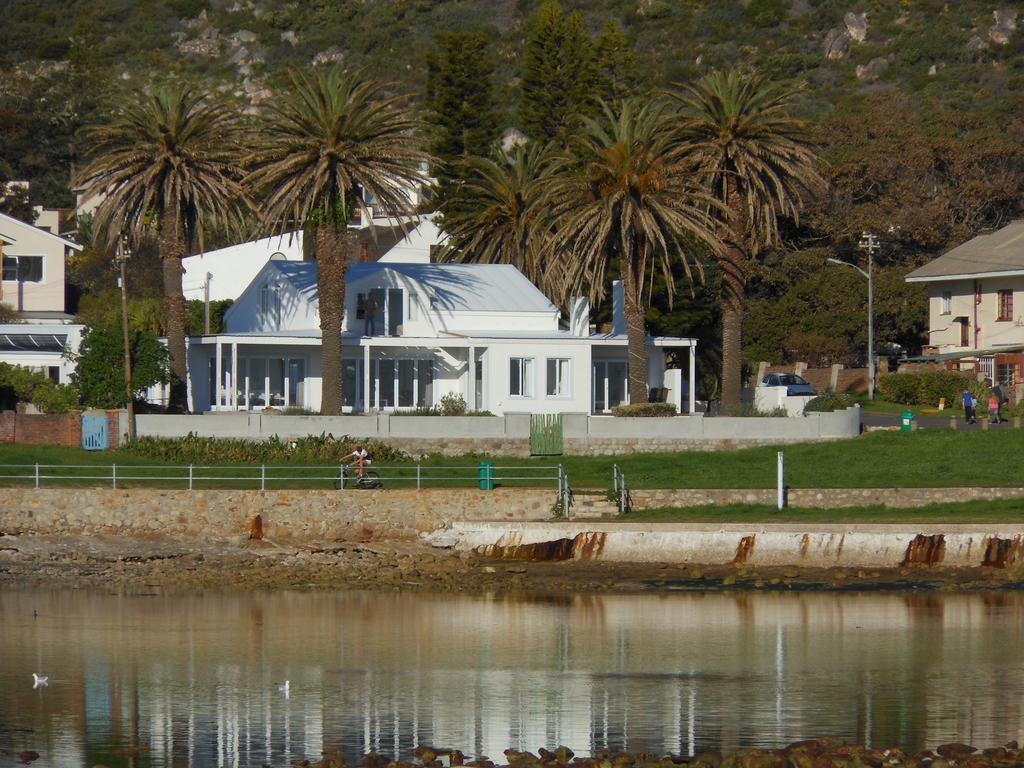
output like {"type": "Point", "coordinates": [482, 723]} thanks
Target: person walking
{"type": "Point", "coordinates": [968, 401]}
{"type": "Point", "coordinates": [993, 408]}
{"type": "Point", "coordinates": [997, 390]}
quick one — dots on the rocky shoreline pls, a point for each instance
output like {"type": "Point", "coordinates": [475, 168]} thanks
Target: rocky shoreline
{"type": "Point", "coordinates": [409, 564]}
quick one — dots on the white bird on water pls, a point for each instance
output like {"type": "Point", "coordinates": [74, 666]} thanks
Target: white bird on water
{"type": "Point", "coordinates": [39, 681]}
{"type": "Point", "coordinates": [285, 688]}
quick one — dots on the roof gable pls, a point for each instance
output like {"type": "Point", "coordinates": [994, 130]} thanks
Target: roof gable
{"type": "Point", "coordinates": [993, 253]}
{"type": "Point", "coordinates": [8, 222]}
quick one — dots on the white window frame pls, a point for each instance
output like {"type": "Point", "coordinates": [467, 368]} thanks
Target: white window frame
{"type": "Point", "coordinates": [946, 308]}
{"type": "Point", "coordinates": [270, 304]}
{"type": "Point", "coordinates": [526, 377]}
{"type": "Point", "coordinates": [563, 385]}
{"type": "Point", "coordinates": [18, 257]}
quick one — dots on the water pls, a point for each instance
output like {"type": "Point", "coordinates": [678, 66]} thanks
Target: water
{"type": "Point", "coordinates": [193, 679]}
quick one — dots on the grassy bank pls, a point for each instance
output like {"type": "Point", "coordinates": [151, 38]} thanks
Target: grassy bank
{"type": "Point", "coordinates": [924, 459]}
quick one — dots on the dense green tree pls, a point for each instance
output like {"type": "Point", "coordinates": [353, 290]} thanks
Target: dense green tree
{"type": "Point", "coordinates": [615, 69]}
{"type": "Point", "coordinates": [166, 159]}
{"type": "Point", "coordinates": [99, 366]}
{"type": "Point", "coordinates": [758, 163]}
{"type": "Point", "coordinates": [627, 196]}
{"type": "Point", "coordinates": [557, 78]}
{"type": "Point", "coordinates": [462, 118]}
{"type": "Point", "coordinates": [325, 136]}
{"type": "Point", "coordinates": [499, 216]}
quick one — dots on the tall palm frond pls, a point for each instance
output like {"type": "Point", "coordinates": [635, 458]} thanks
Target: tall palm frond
{"type": "Point", "coordinates": [166, 161]}
{"type": "Point", "coordinates": [629, 194]}
{"type": "Point", "coordinates": [496, 216]}
{"type": "Point", "coordinates": [760, 165]}
{"type": "Point", "coordinates": [325, 144]}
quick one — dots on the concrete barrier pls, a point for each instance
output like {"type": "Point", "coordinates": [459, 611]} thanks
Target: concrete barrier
{"type": "Point", "coordinates": [820, 545]}
{"type": "Point", "coordinates": [510, 434]}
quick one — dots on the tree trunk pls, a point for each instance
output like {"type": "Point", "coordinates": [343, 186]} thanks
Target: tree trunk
{"type": "Point", "coordinates": [733, 262]}
{"type": "Point", "coordinates": [172, 251]}
{"type": "Point", "coordinates": [331, 252]}
{"type": "Point", "coordinates": [636, 346]}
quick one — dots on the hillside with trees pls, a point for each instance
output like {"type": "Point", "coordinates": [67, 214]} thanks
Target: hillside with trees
{"type": "Point", "coordinates": [915, 108]}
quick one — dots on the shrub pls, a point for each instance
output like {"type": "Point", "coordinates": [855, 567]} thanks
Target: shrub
{"type": "Point", "coordinates": [453, 404]}
{"type": "Point", "coordinates": [100, 366]}
{"type": "Point", "coordinates": [211, 450]}
{"type": "Point", "coordinates": [23, 385]}
{"type": "Point", "coordinates": [927, 387]}
{"type": "Point", "coordinates": [829, 401]}
{"type": "Point", "coordinates": [747, 410]}
{"type": "Point", "coordinates": [645, 409]}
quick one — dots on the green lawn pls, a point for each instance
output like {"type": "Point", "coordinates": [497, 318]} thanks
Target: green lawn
{"type": "Point", "coordinates": [927, 458]}
{"type": "Point", "coordinates": [1009, 510]}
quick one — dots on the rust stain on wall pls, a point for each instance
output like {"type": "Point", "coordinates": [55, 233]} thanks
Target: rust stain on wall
{"type": "Point", "coordinates": [925, 550]}
{"type": "Point", "coordinates": [588, 545]}
{"type": "Point", "coordinates": [541, 551]}
{"type": "Point", "coordinates": [805, 543]}
{"type": "Point", "coordinates": [1000, 553]}
{"type": "Point", "coordinates": [743, 549]}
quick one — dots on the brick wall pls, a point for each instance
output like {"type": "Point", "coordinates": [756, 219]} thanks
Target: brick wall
{"type": "Point", "coordinates": [51, 429]}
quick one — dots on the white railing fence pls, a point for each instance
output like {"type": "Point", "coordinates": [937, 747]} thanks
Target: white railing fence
{"type": "Point", "coordinates": [291, 477]}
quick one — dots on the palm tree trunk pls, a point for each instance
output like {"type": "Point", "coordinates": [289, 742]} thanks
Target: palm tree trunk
{"type": "Point", "coordinates": [636, 338]}
{"type": "Point", "coordinates": [732, 261]}
{"type": "Point", "coordinates": [331, 251]}
{"type": "Point", "coordinates": [172, 251]}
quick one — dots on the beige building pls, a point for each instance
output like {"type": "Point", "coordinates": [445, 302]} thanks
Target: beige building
{"type": "Point", "coordinates": [976, 303]}
{"type": "Point", "coordinates": [33, 269]}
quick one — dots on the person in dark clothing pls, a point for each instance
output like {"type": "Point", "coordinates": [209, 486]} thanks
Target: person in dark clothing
{"type": "Point", "coordinates": [968, 401]}
{"type": "Point", "coordinates": [997, 390]}
{"type": "Point", "coordinates": [370, 308]}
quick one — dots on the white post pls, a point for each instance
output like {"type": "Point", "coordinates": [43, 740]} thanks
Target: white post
{"type": "Point", "coordinates": [471, 379]}
{"type": "Point", "coordinates": [417, 476]}
{"type": "Point", "coordinates": [781, 482]}
{"type": "Point", "coordinates": [190, 477]}
{"type": "Point", "coordinates": [233, 397]}
{"type": "Point", "coordinates": [263, 477]}
{"type": "Point", "coordinates": [691, 383]}
{"type": "Point", "coordinates": [37, 475]}
{"type": "Point", "coordinates": [366, 379]}
{"type": "Point", "coordinates": [219, 389]}
{"type": "Point", "coordinates": [113, 476]}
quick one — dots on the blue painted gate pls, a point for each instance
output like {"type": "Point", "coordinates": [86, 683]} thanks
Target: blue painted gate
{"type": "Point", "coordinates": [94, 432]}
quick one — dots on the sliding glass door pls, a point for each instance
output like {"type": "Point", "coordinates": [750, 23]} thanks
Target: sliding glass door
{"type": "Point", "coordinates": [394, 383]}
{"type": "Point", "coordinates": [610, 386]}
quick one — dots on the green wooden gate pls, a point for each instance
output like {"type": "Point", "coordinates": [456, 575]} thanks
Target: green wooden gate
{"type": "Point", "coordinates": [546, 434]}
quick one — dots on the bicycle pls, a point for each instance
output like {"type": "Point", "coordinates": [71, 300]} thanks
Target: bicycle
{"type": "Point", "coordinates": [367, 480]}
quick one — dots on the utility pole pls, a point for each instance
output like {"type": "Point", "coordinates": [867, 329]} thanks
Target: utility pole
{"type": "Point", "coordinates": [122, 259]}
{"type": "Point", "coordinates": [206, 305]}
{"type": "Point", "coordinates": [868, 242]}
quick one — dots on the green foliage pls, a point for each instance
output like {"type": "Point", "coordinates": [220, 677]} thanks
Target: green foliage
{"type": "Point", "coordinates": [928, 387]}
{"type": "Point", "coordinates": [24, 385]}
{"type": "Point", "coordinates": [747, 410]}
{"type": "Point", "coordinates": [302, 450]}
{"type": "Point", "coordinates": [195, 317]}
{"type": "Point", "coordinates": [645, 409]}
{"type": "Point", "coordinates": [829, 401]}
{"type": "Point", "coordinates": [8, 314]}
{"type": "Point", "coordinates": [99, 374]}
{"type": "Point", "coordinates": [767, 13]}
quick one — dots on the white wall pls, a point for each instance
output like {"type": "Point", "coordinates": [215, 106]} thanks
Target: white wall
{"type": "Point", "coordinates": [944, 334]}
{"type": "Point", "coordinates": [414, 248]}
{"type": "Point", "coordinates": [496, 377]}
{"type": "Point", "coordinates": [44, 296]}
{"type": "Point", "coordinates": [234, 267]}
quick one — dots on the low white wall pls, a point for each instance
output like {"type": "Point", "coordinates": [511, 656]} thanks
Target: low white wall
{"type": "Point", "coordinates": [693, 429]}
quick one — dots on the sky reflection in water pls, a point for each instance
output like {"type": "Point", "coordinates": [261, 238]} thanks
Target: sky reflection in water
{"type": "Point", "coordinates": [194, 679]}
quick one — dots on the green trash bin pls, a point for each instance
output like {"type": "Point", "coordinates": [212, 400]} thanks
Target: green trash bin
{"type": "Point", "coordinates": [907, 421]}
{"type": "Point", "coordinates": [485, 475]}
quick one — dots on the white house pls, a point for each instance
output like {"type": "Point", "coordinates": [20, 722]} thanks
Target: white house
{"type": "Point", "coordinates": [976, 304]}
{"type": "Point", "coordinates": [32, 280]}
{"type": "Point", "coordinates": [41, 347]}
{"type": "Point", "coordinates": [227, 271]}
{"type": "Point", "coordinates": [414, 332]}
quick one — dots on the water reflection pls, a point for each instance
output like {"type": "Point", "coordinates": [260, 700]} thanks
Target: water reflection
{"type": "Point", "coordinates": [165, 680]}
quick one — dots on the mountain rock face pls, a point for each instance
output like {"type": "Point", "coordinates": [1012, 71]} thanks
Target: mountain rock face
{"type": "Point", "coordinates": [856, 26]}
{"type": "Point", "coordinates": [1005, 25]}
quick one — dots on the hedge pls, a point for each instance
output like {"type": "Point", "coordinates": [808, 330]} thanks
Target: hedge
{"type": "Point", "coordinates": [645, 409]}
{"type": "Point", "coordinates": [927, 387]}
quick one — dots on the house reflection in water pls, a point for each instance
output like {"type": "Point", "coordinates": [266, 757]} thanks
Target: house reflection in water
{"type": "Point", "coordinates": [193, 681]}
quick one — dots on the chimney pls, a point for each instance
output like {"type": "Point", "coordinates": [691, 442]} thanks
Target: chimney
{"type": "Point", "coordinates": [618, 309]}
{"type": "Point", "coordinates": [579, 316]}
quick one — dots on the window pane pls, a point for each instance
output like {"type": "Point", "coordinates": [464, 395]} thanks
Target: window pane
{"type": "Point", "coordinates": [276, 365]}
{"type": "Point", "coordinates": [528, 377]}
{"type": "Point", "coordinates": [406, 383]}
{"type": "Point", "coordinates": [257, 382]}
{"type": "Point", "coordinates": [425, 383]}
{"type": "Point", "coordinates": [394, 310]}
{"type": "Point", "coordinates": [297, 382]}
{"type": "Point", "coordinates": [552, 377]}
{"type": "Point", "coordinates": [10, 268]}
{"type": "Point", "coordinates": [515, 376]}
{"type": "Point", "coordinates": [351, 383]}
{"type": "Point", "coordinates": [600, 381]}
{"type": "Point", "coordinates": [616, 384]}
{"type": "Point", "coordinates": [30, 269]}
{"type": "Point", "coordinates": [480, 405]}
{"type": "Point", "coordinates": [386, 383]}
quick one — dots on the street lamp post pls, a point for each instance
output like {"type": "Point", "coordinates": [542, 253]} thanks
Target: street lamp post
{"type": "Point", "coordinates": [869, 243]}
{"type": "Point", "coordinates": [122, 260]}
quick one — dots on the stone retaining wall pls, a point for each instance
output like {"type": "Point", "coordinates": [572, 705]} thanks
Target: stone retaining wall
{"type": "Point", "coordinates": [820, 498]}
{"type": "Point", "coordinates": [221, 514]}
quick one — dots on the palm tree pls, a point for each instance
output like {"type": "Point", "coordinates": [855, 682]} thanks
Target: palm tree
{"type": "Point", "coordinates": [759, 164]}
{"type": "Point", "coordinates": [496, 218]}
{"type": "Point", "coordinates": [628, 195]}
{"type": "Point", "coordinates": [322, 140]}
{"type": "Point", "coordinates": [166, 161]}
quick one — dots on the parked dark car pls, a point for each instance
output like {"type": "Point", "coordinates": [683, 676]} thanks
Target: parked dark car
{"type": "Point", "coordinates": [795, 385]}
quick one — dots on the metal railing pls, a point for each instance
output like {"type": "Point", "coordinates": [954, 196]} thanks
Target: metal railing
{"type": "Point", "coordinates": [620, 489]}
{"type": "Point", "coordinates": [281, 477]}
